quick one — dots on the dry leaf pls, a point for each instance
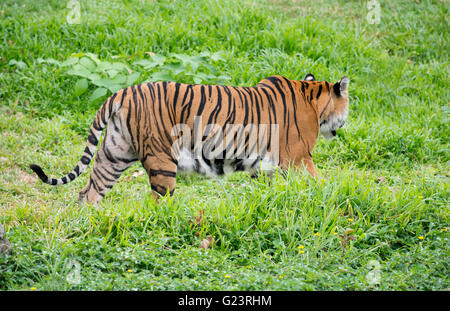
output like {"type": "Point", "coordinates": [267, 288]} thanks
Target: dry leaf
{"type": "Point", "coordinates": [206, 243]}
{"type": "Point", "coordinates": [137, 174]}
{"type": "Point", "coordinates": [380, 179]}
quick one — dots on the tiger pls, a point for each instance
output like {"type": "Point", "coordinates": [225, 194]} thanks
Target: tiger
{"type": "Point", "coordinates": [141, 125]}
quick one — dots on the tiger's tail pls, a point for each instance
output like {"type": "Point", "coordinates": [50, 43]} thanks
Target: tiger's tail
{"type": "Point", "coordinates": [104, 114]}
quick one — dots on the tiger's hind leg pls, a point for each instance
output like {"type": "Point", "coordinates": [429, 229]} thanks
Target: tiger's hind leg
{"type": "Point", "coordinates": [113, 158]}
{"type": "Point", "coordinates": [162, 172]}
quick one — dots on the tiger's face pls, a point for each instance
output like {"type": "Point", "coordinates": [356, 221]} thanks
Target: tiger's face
{"type": "Point", "coordinates": [333, 110]}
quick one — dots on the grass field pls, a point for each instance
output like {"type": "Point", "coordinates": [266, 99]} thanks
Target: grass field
{"type": "Point", "coordinates": [386, 175]}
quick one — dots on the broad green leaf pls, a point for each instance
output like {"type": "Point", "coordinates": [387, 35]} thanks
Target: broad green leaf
{"type": "Point", "coordinates": [144, 63]}
{"type": "Point", "coordinates": [183, 57]}
{"type": "Point", "coordinates": [209, 67]}
{"type": "Point", "coordinates": [119, 66]}
{"type": "Point", "coordinates": [202, 76]}
{"type": "Point", "coordinates": [94, 76]}
{"type": "Point", "coordinates": [98, 93]}
{"type": "Point", "coordinates": [205, 54]}
{"type": "Point", "coordinates": [81, 86]}
{"type": "Point", "coordinates": [159, 59]}
{"type": "Point", "coordinates": [94, 58]}
{"type": "Point", "coordinates": [115, 88]}
{"type": "Point", "coordinates": [48, 61]}
{"type": "Point", "coordinates": [176, 68]}
{"type": "Point", "coordinates": [120, 79]}
{"type": "Point", "coordinates": [70, 61]}
{"type": "Point", "coordinates": [161, 76]}
{"type": "Point", "coordinates": [79, 70]}
{"type": "Point", "coordinates": [88, 64]}
{"type": "Point", "coordinates": [18, 63]}
{"type": "Point", "coordinates": [156, 60]}
{"type": "Point", "coordinates": [112, 85]}
{"type": "Point", "coordinates": [218, 56]}
{"type": "Point", "coordinates": [103, 66]}
{"type": "Point", "coordinates": [132, 78]}
{"type": "Point", "coordinates": [112, 73]}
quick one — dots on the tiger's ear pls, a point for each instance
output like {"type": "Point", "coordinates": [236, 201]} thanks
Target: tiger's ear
{"type": "Point", "coordinates": [340, 87]}
{"type": "Point", "coordinates": [309, 77]}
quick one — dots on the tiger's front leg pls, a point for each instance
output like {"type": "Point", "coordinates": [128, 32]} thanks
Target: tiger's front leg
{"type": "Point", "coordinates": [300, 164]}
{"type": "Point", "coordinates": [308, 163]}
{"type": "Point", "coordinates": [162, 173]}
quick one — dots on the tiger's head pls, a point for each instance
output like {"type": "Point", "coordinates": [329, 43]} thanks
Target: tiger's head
{"type": "Point", "coordinates": [332, 104]}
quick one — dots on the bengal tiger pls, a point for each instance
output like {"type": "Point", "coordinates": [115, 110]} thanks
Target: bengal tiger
{"type": "Point", "coordinates": [141, 125]}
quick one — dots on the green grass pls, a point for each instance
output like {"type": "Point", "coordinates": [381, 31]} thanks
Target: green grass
{"type": "Point", "coordinates": [386, 175]}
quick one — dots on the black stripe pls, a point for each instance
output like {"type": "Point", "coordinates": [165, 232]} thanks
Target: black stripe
{"type": "Point", "coordinates": [125, 160]}
{"type": "Point", "coordinates": [337, 90]}
{"type": "Point", "coordinates": [97, 188]}
{"type": "Point", "coordinates": [155, 188]}
{"type": "Point", "coordinates": [108, 155]}
{"type": "Point", "coordinates": [202, 100]}
{"type": "Point", "coordinates": [88, 151]}
{"type": "Point", "coordinates": [294, 103]}
{"type": "Point", "coordinates": [218, 107]}
{"type": "Point", "coordinates": [319, 92]}
{"type": "Point", "coordinates": [162, 172]}
{"type": "Point", "coordinates": [92, 138]}
{"type": "Point", "coordinates": [100, 174]}
{"type": "Point", "coordinates": [85, 160]}
{"type": "Point", "coordinates": [112, 174]}
{"type": "Point", "coordinates": [96, 125]}
{"type": "Point", "coordinates": [325, 108]}
{"type": "Point", "coordinates": [175, 96]}
{"type": "Point", "coordinates": [187, 106]}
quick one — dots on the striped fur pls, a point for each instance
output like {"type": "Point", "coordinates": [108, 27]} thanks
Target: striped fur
{"type": "Point", "coordinates": [140, 122]}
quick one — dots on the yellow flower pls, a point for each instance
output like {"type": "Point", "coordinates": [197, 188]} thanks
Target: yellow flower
{"type": "Point", "coordinates": [335, 233]}
{"type": "Point", "coordinates": [317, 234]}
{"type": "Point", "coordinates": [301, 252]}
{"type": "Point", "coordinates": [33, 288]}
{"type": "Point", "coordinates": [350, 219]}
{"type": "Point", "coordinates": [444, 229]}
{"type": "Point", "coordinates": [129, 270]}
{"type": "Point", "coordinates": [300, 247]}
{"type": "Point", "coordinates": [281, 276]}
{"type": "Point", "coordinates": [421, 238]}
{"type": "Point", "coordinates": [227, 276]}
